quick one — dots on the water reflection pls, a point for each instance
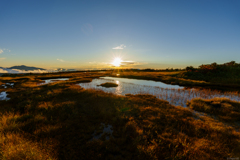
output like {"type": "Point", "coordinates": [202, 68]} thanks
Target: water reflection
{"type": "Point", "coordinates": [176, 95]}
{"type": "Point", "coordinates": [53, 80]}
{"type": "Point", "coordinates": [143, 82]}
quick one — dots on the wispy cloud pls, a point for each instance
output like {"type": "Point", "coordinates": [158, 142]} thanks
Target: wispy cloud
{"type": "Point", "coordinates": [61, 60]}
{"type": "Point", "coordinates": [122, 46]}
{"type": "Point", "coordinates": [2, 59]}
{"type": "Point", "coordinates": [7, 49]}
{"type": "Point", "coordinates": [132, 63]}
{"type": "Point", "coordinates": [4, 49]}
{"type": "Point", "coordinates": [129, 64]}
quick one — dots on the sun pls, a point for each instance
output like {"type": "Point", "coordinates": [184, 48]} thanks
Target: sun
{"type": "Point", "coordinates": [117, 62]}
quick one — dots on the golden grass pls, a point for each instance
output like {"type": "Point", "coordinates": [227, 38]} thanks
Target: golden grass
{"type": "Point", "coordinates": [13, 143]}
{"type": "Point", "coordinates": [223, 108]}
{"type": "Point", "coordinates": [57, 121]}
{"type": "Point", "coordinates": [16, 147]}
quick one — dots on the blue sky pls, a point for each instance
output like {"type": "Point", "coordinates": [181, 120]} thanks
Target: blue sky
{"type": "Point", "coordinates": [149, 34]}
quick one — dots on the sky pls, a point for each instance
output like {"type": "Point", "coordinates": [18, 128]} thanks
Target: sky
{"type": "Point", "coordinates": [89, 34]}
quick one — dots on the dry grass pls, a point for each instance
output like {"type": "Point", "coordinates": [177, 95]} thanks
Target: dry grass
{"type": "Point", "coordinates": [57, 121]}
{"type": "Point", "coordinates": [223, 108]}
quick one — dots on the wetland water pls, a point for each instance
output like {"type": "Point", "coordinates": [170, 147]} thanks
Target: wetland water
{"type": "Point", "coordinates": [175, 94]}
{"type": "Point", "coordinates": [8, 84]}
{"type": "Point", "coordinates": [53, 80]}
{"type": "Point", "coordinates": [3, 96]}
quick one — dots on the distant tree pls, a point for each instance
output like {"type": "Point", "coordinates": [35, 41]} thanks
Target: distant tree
{"type": "Point", "coordinates": [214, 64]}
{"type": "Point", "coordinates": [190, 68]}
{"type": "Point", "coordinates": [232, 63]}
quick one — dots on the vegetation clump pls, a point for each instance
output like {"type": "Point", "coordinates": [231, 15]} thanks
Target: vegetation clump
{"type": "Point", "coordinates": [84, 80]}
{"type": "Point", "coordinates": [108, 85]}
{"type": "Point", "coordinates": [227, 73]}
{"type": "Point", "coordinates": [223, 108]}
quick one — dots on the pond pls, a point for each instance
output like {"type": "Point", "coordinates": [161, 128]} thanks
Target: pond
{"type": "Point", "coordinates": [175, 94]}
{"type": "Point", "coordinates": [53, 80]}
{"type": "Point", "coordinates": [8, 84]}
{"type": "Point", "coordinates": [143, 82]}
{"type": "Point", "coordinates": [106, 129]}
{"type": "Point", "coordinates": [3, 96]}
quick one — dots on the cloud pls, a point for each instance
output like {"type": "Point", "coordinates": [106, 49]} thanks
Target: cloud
{"type": "Point", "coordinates": [2, 59]}
{"type": "Point", "coordinates": [133, 63]}
{"type": "Point", "coordinates": [7, 49]}
{"type": "Point", "coordinates": [6, 70]}
{"type": "Point", "coordinates": [4, 49]}
{"type": "Point", "coordinates": [60, 60]}
{"type": "Point", "coordinates": [129, 64]}
{"type": "Point", "coordinates": [122, 46]}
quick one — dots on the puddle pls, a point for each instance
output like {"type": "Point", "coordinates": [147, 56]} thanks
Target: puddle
{"type": "Point", "coordinates": [4, 85]}
{"type": "Point", "coordinates": [3, 96]}
{"type": "Point", "coordinates": [47, 81]}
{"type": "Point", "coordinates": [107, 129]}
{"type": "Point", "coordinates": [176, 95]}
{"type": "Point", "coordinates": [143, 82]}
{"type": "Point", "coordinates": [8, 84]}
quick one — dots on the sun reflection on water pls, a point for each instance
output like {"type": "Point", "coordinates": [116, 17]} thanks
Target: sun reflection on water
{"type": "Point", "coordinates": [175, 96]}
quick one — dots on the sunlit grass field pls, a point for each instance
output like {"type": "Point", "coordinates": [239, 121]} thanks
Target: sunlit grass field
{"type": "Point", "coordinates": [59, 120]}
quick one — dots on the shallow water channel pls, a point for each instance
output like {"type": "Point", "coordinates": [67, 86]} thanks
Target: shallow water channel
{"type": "Point", "coordinates": [46, 81]}
{"type": "Point", "coordinates": [175, 94]}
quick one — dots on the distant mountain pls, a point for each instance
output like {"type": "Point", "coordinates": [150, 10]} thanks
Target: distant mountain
{"type": "Point", "coordinates": [26, 68]}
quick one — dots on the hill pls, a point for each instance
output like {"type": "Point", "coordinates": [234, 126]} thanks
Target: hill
{"type": "Point", "coordinates": [26, 68]}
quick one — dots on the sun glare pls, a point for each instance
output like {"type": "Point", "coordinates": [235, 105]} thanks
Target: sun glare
{"type": "Point", "coordinates": [116, 62]}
